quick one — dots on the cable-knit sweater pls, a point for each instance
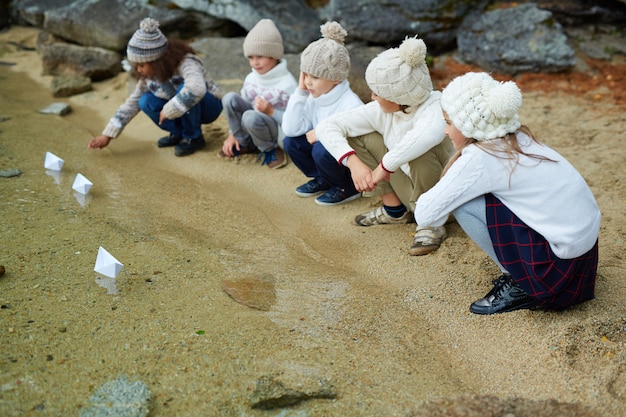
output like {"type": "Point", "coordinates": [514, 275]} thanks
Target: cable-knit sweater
{"type": "Point", "coordinates": [191, 72]}
{"type": "Point", "coordinates": [552, 198]}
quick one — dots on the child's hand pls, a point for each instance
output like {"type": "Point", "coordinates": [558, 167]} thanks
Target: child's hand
{"type": "Point", "coordinates": [230, 143]}
{"type": "Point", "coordinates": [301, 84]}
{"type": "Point", "coordinates": [99, 142]}
{"type": "Point", "coordinates": [379, 174]}
{"type": "Point", "coordinates": [361, 174]}
{"type": "Point", "coordinates": [311, 137]}
{"type": "Point", "coordinates": [262, 105]}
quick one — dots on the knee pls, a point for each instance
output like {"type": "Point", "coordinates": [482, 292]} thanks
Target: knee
{"type": "Point", "coordinates": [288, 144]}
{"type": "Point", "coordinates": [228, 99]}
{"type": "Point", "coordinates": [249, 119]}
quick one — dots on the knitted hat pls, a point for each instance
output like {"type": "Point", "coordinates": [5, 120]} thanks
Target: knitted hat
{"type": "Point", "coordinates": [481, 107]}
{"type": "Point", "coordinates": [400, 75]}
{"type": "Point", "coordinates": [327, 58]}
{"type": "Point", "coordinates": [147, 44]}
{"type": "Point", "coordinates": [264, 40]}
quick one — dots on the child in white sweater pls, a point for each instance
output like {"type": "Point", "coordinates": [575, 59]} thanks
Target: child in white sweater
{"type": "Point", "coordinates": [519, 200]}
{"type": "Point", "coordinates": [394, 146]}
{"type": "Point", "coordinates": [255, 115]}
{"type": "Point", "coordinates": [323, 90]}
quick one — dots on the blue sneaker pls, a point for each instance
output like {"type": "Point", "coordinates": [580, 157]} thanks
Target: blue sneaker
{"type": "Point", "coordinates": [311, 188]}
{"type": "Point", "coordinates": [335, 196]}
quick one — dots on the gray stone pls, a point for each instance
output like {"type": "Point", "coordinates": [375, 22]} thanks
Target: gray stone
{"type": "Point", "coordinates": [108, 24]}
{"type": "Point", "coordinates": [62, 58]}
{"type": "Point", "coordinates": [120, 398]}
{"type": "Point", "coordinates": [514, 40]}
{"type": "Point", "coordinates": [31, 12]}
{"type": "Point", "coordinates": [69, 85]}
{"type": "Point", "coordinates": [290, 388]}
{"type": "Point", "coordinates": [59, 109]}
{"type": "Point", "coordinates": [297, 22]}
{"type": "Point", "coordinates": [389, 22]}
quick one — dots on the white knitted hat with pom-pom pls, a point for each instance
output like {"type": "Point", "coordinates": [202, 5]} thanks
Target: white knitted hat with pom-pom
{"type": "Point", "coordinates": [482, 108]}
{"type": "Point", "coordinates": [327, 57]}
{"type": "Point", "coordinates": [400, 75]}
{"type": "Point", "coordinates": [147, 44]}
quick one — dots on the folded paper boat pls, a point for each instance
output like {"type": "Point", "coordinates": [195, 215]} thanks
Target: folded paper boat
{"type": "Point", "coordinates": [53, 162]}
{"type": "Point", "coordinates": [106, 264]}
{"type": "Point", "coordinates": [81, 184]}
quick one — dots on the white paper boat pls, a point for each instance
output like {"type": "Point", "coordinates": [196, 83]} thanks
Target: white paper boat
{"type": "Point", "coordinates": [53, 162]}
{"type": "Point", "coordinates": [81, 184]}
{"type": "Point", "coordinates": [106, 264]}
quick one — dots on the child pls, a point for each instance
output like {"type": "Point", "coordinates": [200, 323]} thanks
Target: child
{"type": "Point", "coordinates": [323, 90]}
{"type": "Point", "coordinates": [409, 157]}
{"type": "Point", "coordinates": [254, 117]}
{"type": "Point", "coordinates": [173, 89]}
{"type": "Point", "coordinates": [519, 200]}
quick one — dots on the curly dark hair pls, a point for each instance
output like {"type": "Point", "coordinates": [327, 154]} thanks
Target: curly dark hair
{"type": "Point", "coordinates": [165, 67]}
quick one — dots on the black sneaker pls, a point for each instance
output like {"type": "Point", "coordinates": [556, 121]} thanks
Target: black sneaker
{"type": "Point", "coordinates": [311, 188]}
{"type": "Point", "coordinates": [189, 146]}
{"type": "Point", "coordinates": [171, 140]}
{"type": "Point", "coordinates": [505, 296]}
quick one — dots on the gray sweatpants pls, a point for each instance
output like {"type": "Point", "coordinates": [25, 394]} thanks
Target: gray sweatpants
{"type": "Point", "coordinates": [250, 127]}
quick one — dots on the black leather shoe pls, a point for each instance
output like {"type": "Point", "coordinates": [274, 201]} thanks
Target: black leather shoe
{"type": "Point", "coordinates": [505, 296]}
{"type": "Point", "coordinates": [189, 146]}
{"type": "Point", "coordinates": [171, 140]}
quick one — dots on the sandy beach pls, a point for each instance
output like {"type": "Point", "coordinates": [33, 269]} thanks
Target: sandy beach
{"type": "Point", "coordinates": [327, 300]}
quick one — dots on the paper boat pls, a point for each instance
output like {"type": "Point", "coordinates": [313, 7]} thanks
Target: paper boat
{"type": "Point", "coordinates": [53, 162]}
{"type": "Point", "coordinates": [106, 264]}
{"type": "Point", "coordinates": [81, 184]}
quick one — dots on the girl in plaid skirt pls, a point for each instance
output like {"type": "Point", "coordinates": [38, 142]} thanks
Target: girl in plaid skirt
{"type": "Point", "coordinates": [524, 204]}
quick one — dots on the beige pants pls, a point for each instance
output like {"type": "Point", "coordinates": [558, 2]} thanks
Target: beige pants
{"type": "Point", "coordinates": [425, 171]}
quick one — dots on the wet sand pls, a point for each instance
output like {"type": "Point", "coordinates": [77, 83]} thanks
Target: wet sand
{"type": "Point", "coordinates": [388, 330]}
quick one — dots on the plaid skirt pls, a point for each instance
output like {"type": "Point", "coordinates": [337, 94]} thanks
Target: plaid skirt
{"type": "Point", "coordinates": [556, 283]}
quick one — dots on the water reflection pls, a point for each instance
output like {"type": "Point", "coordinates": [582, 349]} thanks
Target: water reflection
{"type": "Point", "coordinates": [109, 283]}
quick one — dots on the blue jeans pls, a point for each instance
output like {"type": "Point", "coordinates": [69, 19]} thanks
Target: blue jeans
{"type": "Point", "coordinates": [189, 124]}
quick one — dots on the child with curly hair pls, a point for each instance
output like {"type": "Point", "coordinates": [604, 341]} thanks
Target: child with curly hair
{"type": "Point", "coordinates": [173, 88]}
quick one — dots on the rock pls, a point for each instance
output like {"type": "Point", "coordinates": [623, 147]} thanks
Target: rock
{"type": "Point", "coordinates": [389, 22]}
{"type": "Point", "coordinates": [254, 292]}
{"type": "Point", "coordinates": [514, 40]}
{"type": "Point", "coordinates": [8, 173]}
{"type": "Point", "coordinates": [2, 271]}
{"type": "Point", "coordinates": [68, 85]}
{"type": "Point", "coordinates": [120, 398]}
{"type": "Point", "coordinates": [62, 58]}
{"type": "Point", "coordinates": [59, 109]}
{"type": "Point", "coordinates": [290, 388]}
{"type": "Point", "coordinates": [296, 21]}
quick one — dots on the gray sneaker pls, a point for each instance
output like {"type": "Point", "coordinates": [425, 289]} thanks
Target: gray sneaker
{"type": "Point", "coordinates": [427, 240]}
{"type": "Point", "coordinates": [379, 216]}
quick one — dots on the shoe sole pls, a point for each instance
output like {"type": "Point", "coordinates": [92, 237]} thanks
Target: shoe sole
{"type": "Point", "coordinates": [301, 194]}
{"type": "Point", "coordinates": [529, 305]}
{"type": "Point", "coordinates": [345, 200]}
{"type": "Point", "coordinates": [423, 250]}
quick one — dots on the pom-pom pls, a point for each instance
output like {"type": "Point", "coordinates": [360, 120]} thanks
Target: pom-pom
{"type": "Point", "coordinates": [413, 52]}
{"type": "Point", "coordinates": [505, 99]}
{"type": "Point", "coordinates": [149, 25]}
{"type": "Point", "coordinates": [333, 31]}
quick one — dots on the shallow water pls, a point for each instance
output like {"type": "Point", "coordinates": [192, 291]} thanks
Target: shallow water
{"type": "Point", "coordinates": [166, 320]}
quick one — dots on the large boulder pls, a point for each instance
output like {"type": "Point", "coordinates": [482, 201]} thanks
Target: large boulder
{"type": "Point", "coordinates": [515, 40]}
{"type": "Point", "coordinates": [296, 21]}
{"type": "Point", "coordinates": [388, 23]}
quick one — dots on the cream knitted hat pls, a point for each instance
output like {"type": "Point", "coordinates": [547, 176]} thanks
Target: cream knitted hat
{"type": "Point", "coordinates": [264, 39]}
{"type": "Point", "coordinates": [400, 75]}
{"type": "Point", "coordinates": [481, 107]}
{"type": "Point", "coordinates": [327, 57]}
{"type": "Point", "coordinates": [147, 44]}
